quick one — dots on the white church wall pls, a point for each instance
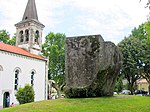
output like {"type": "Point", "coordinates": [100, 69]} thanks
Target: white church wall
{"type": "Point", "coordinates": [10, 62]}
{"type": "Point", "coordinates": [0, 87]}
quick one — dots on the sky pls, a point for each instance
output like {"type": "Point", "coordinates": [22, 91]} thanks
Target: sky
{"type": "Point", "coordinates": [112, 19]}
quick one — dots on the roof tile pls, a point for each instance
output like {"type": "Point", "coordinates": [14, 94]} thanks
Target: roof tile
{"type": "Point", "coordinates": [17, 50]}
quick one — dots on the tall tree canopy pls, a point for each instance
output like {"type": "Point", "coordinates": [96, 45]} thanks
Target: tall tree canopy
{"type": "Point", "coordinates": [146, 60]}
{"type": "Point", "coordinates": [135, 56]}
{"type": "Point", "coordinates": [130, 60]}
{"type": "Point", "coordinates": [53, 48]}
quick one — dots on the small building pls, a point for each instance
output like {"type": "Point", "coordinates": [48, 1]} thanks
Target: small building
{"type": "Point", "coordinates": [23, 64]}
{"type": "Point", "coordinates": [142, 84]}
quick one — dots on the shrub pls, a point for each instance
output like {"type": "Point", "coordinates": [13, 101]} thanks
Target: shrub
{"type": "Point", "coordinates": [25, 95]}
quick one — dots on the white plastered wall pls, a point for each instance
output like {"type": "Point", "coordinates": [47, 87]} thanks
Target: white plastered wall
{"type": "Point", "coordinates": [10, 62]}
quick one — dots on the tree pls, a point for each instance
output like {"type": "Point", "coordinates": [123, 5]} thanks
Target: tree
{"type": "Point", "coordinates": [136, 55]}
{"type": "Point", "coordinates": [146, 61]}
{"type": "Point", "coordinates": [25, 95]}
{"type": "Point", "coordinates": [119, 84]}
{"type": "Point", "coordinates": [53, 48]}
{"type": "Point", "coordinates": [130, 51]}
{"type": "Point", "coordinates": [12, 41]}
{"type": "Point", "coordinates": [4, 36]}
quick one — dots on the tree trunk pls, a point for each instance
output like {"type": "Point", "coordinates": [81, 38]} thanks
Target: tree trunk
{"type": "Point", "coordinates": [131, 88]}
{"type": "Point", "coordinates": [55, 85]}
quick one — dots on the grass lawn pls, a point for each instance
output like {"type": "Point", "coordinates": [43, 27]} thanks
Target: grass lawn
{"type": "Point", "coordinates": [103, 104]}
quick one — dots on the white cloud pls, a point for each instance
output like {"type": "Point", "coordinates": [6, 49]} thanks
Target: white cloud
{"type": "Point", "coordinates": [112, 19]}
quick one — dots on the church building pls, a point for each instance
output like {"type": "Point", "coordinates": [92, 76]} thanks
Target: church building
{"type": "Point", "coordinates": [23, 64]}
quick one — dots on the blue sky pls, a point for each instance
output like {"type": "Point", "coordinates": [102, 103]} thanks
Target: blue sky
{"type": "Point", "coordinates": [113, 19]}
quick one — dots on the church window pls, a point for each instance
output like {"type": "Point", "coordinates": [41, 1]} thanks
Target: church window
{"type": "Point", "coordinates": [27, 35]}
{"type": "Point", "coordinates": [26, 17]}
{"type": "Point", "coordinates": [16, 79]}
{"type": "Point", "coordinates": [32, 78]}
{"type": "Point", "coordinates": [21, 36]}
{"type": "Point", "coordinates": [36, 37]}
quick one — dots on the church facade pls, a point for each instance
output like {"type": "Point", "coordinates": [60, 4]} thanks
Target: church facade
{"type": "Point", "coordinates": [23, 64]}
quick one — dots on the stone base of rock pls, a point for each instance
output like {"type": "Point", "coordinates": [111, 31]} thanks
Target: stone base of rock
{"type": "Point", "coordinates": [91, 66]}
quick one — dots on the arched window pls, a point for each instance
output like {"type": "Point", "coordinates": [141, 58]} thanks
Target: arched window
{"type": "Point", "coordinates": [37, 37]}
{"type": "Point", "coordinates": [27, 35]}
{"type": "Point", "coordinates": [16, 73]}
{"type": "Point", "coordinates": [32, 77]}
{"type": "Point", "coordinates": [21, 36]}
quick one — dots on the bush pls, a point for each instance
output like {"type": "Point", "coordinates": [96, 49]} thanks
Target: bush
{"type": "Point", "coordinates": [25, 95]}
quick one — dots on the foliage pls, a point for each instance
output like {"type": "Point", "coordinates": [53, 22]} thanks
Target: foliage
{"type": "Point", "coordinates": [25, 95]}
{"type": "Point", "coordinates": [102, 104]}
{"type": "Point", "coordinates": [12, 41]}
{"type": "Point", "coordinates": [5, 38]}
{"type": "Point", "coordinates": [133, 50]}
{"type": "Point", "coordinates": [146, 60]}
{"type": "Point", "coordinates": [147, 28]}
{"type": "Point", "coordinates": [119, 84]}
{"type": "Point", "coordinates": [53, 48]}
{"type": "Point", "coordinates": [131, 54]}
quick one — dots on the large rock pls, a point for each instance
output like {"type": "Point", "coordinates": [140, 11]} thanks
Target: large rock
{"type": "Point", "coordinates": [91, 66]}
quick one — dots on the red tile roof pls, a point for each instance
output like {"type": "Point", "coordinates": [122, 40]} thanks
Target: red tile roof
{"type": "Point", "coordinates": [17, 50]}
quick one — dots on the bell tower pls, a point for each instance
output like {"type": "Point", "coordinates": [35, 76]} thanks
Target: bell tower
{"type": "Point", "coordinates": [29, 30]}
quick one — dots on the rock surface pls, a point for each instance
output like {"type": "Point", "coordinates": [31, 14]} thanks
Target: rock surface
{"type": "Point", "coordinates": [91, 66]}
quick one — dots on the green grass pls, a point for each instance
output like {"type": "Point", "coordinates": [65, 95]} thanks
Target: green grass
{"type": "Point", "coordinates": [104, 104]}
